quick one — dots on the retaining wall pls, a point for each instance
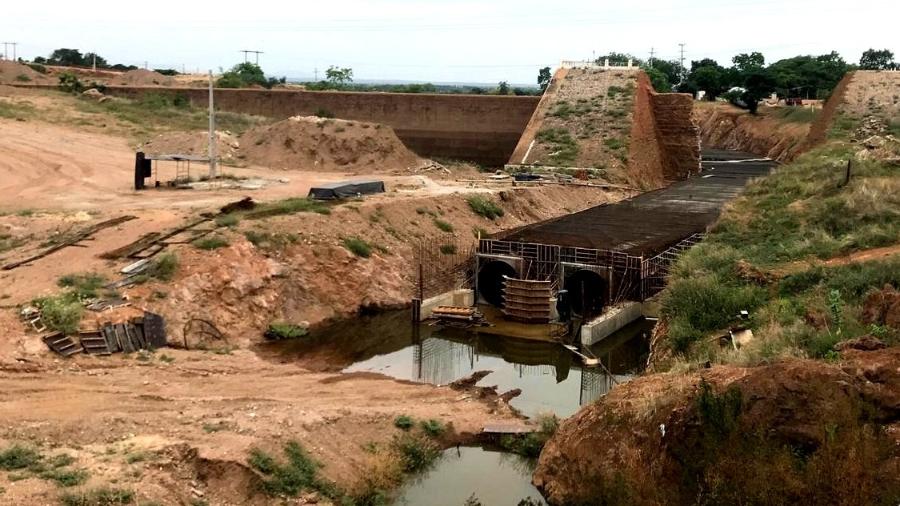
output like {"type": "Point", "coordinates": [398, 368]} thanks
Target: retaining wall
{"type": "Point", "coordinates": [479, 128]}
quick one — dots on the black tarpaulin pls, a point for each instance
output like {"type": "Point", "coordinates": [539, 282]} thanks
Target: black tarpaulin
{"type": "Point", "coordinates": [346, 189]}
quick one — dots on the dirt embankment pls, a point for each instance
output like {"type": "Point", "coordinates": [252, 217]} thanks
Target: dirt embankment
{"type": "Point", "coordinates": [724, 126]}
{"type": "Point", "coordinates": [779, 434]}
{"type": "Point", "coordinates": [301, 271]}
{"type": "Point", "coordinates": [16, 73]}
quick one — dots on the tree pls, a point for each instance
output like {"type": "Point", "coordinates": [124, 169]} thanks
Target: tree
{"type": "Point", "coordinates": [503, 88]}
{"type": "Point", "coordinates": [619, 59]}
{"type": "Point", "coordinates": [88, 60]}
{"type": "Point", "coordinates": [707, 75]}
{"type": "Point", "coordinates": [339, 77]}
{"type": "Point", "coordinates": [67, 57]}
{"type": "Point", "coordinates": [671, 69]}
{"type": "Point", "coordinates": [543, 79]}
{"type": "Point", "coordinates": [659, 80]}
{"type": "Point", "coordinates": [812, 76]}
{"type": "Point", "coordinates": [881, 59]}
{"type": "Point", "coordinates": [746, 62]}
{"type": "Point", "coordinates": [243, 75]}
{"type": "Point", "coordinates": [758, 84]}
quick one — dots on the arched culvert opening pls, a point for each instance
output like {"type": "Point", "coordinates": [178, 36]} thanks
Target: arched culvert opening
{"type": "Point", "coordinates": [490, 281]}
{"type": "Point", "coordinates": [587, 292]}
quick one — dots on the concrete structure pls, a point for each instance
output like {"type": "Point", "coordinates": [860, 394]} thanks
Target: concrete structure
{"type": "Point", "coordinates": [613, 319]}
{"type": "Point", "coordinates": [479, 128]}
{"type": "Point", "coordinates": [462, 297]}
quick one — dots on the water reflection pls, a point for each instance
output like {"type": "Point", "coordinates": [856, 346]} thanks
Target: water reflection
{"type": "Point", "coordinates": [494, 478]}
{"type": "Point", "coordinates": [550, 377]}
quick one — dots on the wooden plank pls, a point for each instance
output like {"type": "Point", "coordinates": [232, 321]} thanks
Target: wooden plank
{"type": "Point", "coordinates": [88, 232]}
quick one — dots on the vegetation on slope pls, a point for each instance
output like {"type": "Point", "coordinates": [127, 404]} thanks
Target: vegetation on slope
{"type": "Point", "coordinates": [767, 256]}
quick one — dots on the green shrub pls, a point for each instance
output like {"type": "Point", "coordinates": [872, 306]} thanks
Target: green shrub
{"type": "Point", "coordinates": [227, 220]}
{"type": "Point", "coordinates": [66, 477]}
{"type": "Point", "coordinates": [163, 267]}
{"type": "Point", "coordinates": [323, 113]}
{"type": "Point", "coordinates": [98, 497]}
{"type": "Point", "coordinates": [416, 453]}
{"type": "Point", "coordinates": [211, 242]}
{"type": "Point", "coordinates": [280, 331]}
{"type": "Point", "coordinates": [434, 428]}
{"type": "Point", "coordinates": [288, 206]}
{"type": "Point", "coordinates": [358, 247]}
{"type": "Point", "coordinates": [83, 286]}
{"type": "Point", "coordinates": [37, 67]}
{"type": "Point", "coordinates": [298, 474]}
{"type": "Point", "coordinates": [443, 225]}
{"type": "Point", "coordinates": [70, 83]}
{"type": "Point", "coordinates": [448, 249]}
{"type": "Point", "coordinates": [484, 207]}
{"type": "Point", "coordinates": [61, 313]}
{"type": "Point", "coordinates": [404, 422]}
{"type": "Point", "coordinates": [23, 78]}
{"type": "Point", "coordinates": [614, 143]}
{"type": "Point", "coordinates": [479, 232]}
{"type": "Point", "coordinates": [18, 457]}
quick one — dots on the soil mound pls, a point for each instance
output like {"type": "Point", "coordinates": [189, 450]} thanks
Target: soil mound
{"type": "Point", "coordinates": [193, 143]}
{"type": "Point", "coordinates": [311, 143]}
{"type": "Point", "coordinates": [17, 73]}
{"type": "Point", "coordinates": [767, 435]}
{"type": "Point", "coordinates": [141, 77]}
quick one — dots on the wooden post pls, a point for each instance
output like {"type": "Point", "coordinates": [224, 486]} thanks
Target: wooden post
{"type": "Point", "coordinates": [212, 131]}
{"type": "Point", "coordinates": [847, 175]}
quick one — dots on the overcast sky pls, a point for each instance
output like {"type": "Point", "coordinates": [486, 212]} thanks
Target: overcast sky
{"type": "Point", "coordinates": [442, 40]}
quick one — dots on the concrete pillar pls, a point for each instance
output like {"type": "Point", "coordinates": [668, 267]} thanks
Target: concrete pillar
{"type": "Point", "coordinates": [606, 63]}
{"type": "Point", "coordinates": [629, 63]}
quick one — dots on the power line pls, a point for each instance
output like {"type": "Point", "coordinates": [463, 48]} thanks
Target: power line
{"type": "Point", "coordinates": [247, 52]}
{"type": "Point", "coordinates": [6, 49]}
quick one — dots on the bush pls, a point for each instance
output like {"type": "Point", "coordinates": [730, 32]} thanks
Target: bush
{"type": "Point", "coordinates": [299, 474]}
{"type": "Point", "coordinates": [18, 457]}
{"type": "Point", "coordinates": [227, 220]}
{"type": "Point", "coordinates": [83, 286]}
{"type": "Point", "coordinates": [210, 243]}
{"type": "Point", "coordinates": [23, 78]}
{"type": "Point", "coordinates": [37, 67]}
{"type": "Point", "coordinates": [443, 225]}
{"type": "Point", "coordinates": [323, 113]}
{"type": "Point", "coordinates": [416, 453]}
{"type": "Point", "coordinates": [98, 497]}
{"type": "Point", "coordinates": [433, 428]}
{"type": "Point", "coordinates": [484, 207]}
{"type": "Point", "coordinates": [61, 313]}
{"type": "Point", "coordinates": [358, 247]}
{"type": "Point", "coordinates": [448, 249]}
{"type": "Point", "coordinates": [163, 267]}
{"type": "Point", "coordinates": [279, 331]}
{"type": "Point", "coordinates": [404, 422]}
{"type": "Point", "coordinates": [70, 83]}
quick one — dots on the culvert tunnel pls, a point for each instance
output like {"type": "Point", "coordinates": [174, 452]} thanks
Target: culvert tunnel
{"type": "Point", "coordinates": [587, 292]}
{"type": "Point", "coordinates": [490, 281]}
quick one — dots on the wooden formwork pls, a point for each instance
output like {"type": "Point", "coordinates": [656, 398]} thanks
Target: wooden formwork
{"type": "Point", "coordinates": [527, 300]}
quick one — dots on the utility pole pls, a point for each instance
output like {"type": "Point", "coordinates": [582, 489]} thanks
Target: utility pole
{"type": "Point", "coordinates": [652, 52]}
{"type": "Point", "coordinates": [14, 50]}
{"type": "Point", "coordinates": [247, 52]}
{"type": "Point", "coordinates": [681, 77]}
{"type": "Point", "coordinates": [94, 61]}
{"type": "Point", "coordinates": [212, 131]}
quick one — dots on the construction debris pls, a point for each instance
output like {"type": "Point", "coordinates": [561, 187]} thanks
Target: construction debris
{"type": "Point", "coordinates": [152, 243]}
{"type": "Point", "coordinates": [77, 238]}
{"type": "Point", "coordinates": [456, 315]}
{"type": "Point", "coordinates": [140, 333]}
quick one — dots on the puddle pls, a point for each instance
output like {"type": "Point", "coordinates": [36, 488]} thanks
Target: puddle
{"type": "Point", "coordinates": [550, 377]}
{"type": "Point", "coordinates": [493, 478]}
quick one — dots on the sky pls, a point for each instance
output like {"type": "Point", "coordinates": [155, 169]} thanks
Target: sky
{"type": "Point", "coordinates": [442, 40]}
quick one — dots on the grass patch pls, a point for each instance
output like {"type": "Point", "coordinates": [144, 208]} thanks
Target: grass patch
{"type": "Point", "coordinates": [530, 445]}
{"type": "Point", "coordinates": [288, 206]}
{"type": "Point", "coordinates": [66, 477]}
{"type": "Point", "coordinates": [269, 240]}
{"type": "Point", "coordinates": [102, 496]}
{"type": "Point", "coordinates": [448, 249]}
{"type": "Point", "coordinates": [404, 422]}
{"type": "Point", "coordinates": [433, 428]}
{"type": "Point", "coordinates": [484, 207]}
{"type": "Point", "coordinates": [297, 474]}
{"type": "Point", "coordinates": [16, 110]}
{"type": "Point", "coordinates": [18, 457]}
{"type": "Point", "coordinates": [614, 143]}
{"type": "Point", "coordinates": [163, 267]}
{"type": "Point", "coordinates": [417, 453]}
{"type": "Point", "coordinates": [358, 247]}
{"type": "Point", "coordinates": [227, 220]}
{"type": "Point", "coordinates": [796, 114]}
{"type": "Point", "coordinates": [562, 146]}
{"type": "Point", "coordinates": [280, 331]}
{"type": "Point", "coordinates": [443, 226]}
{"type": "Point", "coordinates": [479, 232]}
{"type": "Point", "coordinates": [84, 286]}
{"type": "Point", "coordinates": [210, 242]}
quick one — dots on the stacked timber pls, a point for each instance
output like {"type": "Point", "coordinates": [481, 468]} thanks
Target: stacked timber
{"type": "Point", "coordinates": [526, 300]}
{"type": "Point", "coordinates": [457, 314]}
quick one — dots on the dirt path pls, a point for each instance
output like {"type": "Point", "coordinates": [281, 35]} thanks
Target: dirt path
{"type": "Point", "coordinates": [854, 257]}
{"type": "Point", "coordinates": [101, 410]}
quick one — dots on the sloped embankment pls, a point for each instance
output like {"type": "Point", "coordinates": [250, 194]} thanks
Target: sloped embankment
{"type": "Point", "coordinates": [779, 434]}
{"type": "Point", "coordinates": [773, 133]}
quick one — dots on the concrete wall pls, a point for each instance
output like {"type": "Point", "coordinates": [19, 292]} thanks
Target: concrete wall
{"type": "Point", "coordinates": [679, 137]}
{"type": "Point", "coordinates": [612, 319]}
{"type": "Point", "coordinates": [479, 128]}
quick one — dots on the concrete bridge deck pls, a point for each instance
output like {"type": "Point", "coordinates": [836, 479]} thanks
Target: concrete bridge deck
{"type": "Point", "coordinates": [653, 221]}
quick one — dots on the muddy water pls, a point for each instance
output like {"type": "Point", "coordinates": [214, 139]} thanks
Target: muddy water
{"type": "Point", "coordinates": [493, 478]}
{"type": "Point", "coordinates": [549, 376]}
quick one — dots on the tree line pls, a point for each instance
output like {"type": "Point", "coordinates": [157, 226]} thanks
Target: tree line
{"type": "Point", "coordinates": [748, 79]}
{"type": "Point", "coordinates": [66, 57]}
